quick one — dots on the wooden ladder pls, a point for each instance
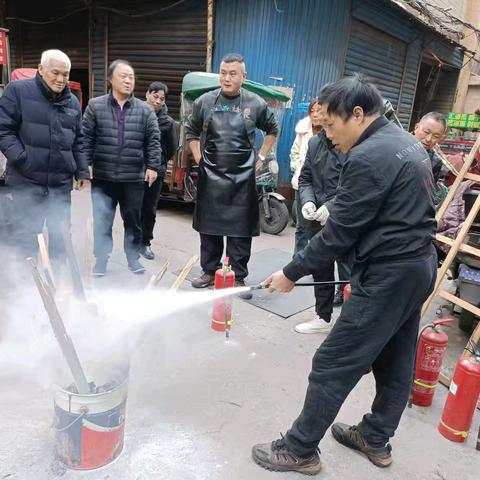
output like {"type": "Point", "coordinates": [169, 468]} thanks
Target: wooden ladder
{"type": "Point", "coordinates": [457, 245]}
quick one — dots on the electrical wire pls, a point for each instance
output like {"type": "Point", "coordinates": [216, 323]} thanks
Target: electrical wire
{"type": "Point", "coordinates": [276, 6]}
{"type": "Point", "coordinates": [47, 22]}
{"type": "Point", "coordinates": [97, 7]}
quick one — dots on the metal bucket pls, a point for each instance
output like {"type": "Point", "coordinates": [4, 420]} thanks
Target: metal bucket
{"type": "Point", "coordinates": [90, 428]}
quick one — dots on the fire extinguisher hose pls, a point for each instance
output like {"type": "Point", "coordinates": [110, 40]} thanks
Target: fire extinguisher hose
{"type": "Point", "coordinates": [458, 433]}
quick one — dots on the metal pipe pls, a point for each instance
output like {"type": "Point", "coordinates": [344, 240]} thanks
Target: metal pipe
{"type": "Point", "coordinates": [305, 284]}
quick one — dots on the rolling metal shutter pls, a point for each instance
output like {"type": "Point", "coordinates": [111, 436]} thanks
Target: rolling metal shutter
{"type": "Point", "coordinates": [69, 35]}
{"type": "Point", "coordinates": [444, 96]}
{"type": "Point", "coordinates": [163, 46]}
{"type": "Point", "coordinates": [380, 56]}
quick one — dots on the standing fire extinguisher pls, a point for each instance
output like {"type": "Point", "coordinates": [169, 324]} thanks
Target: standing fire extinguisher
{"type": "Point", "coordinates": [462, 398]}
{"type": "Point", "coordinates": [222, 315]}
{"type": "Point", "coordinates": [431, 346]}
{"type": "Point", "coordinates": [347, 290]}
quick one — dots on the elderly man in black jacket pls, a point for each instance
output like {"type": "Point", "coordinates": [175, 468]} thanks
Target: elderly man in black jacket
{"type": "Point", "coordinates": [383, 213]}
{"type": "Point", "coordinates": [122, 144]}
{"type": "Point", "coordinates": [40, 135]}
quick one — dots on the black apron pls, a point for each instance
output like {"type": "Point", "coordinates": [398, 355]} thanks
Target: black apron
{"type": "Point", "coordinates": [227, 202]}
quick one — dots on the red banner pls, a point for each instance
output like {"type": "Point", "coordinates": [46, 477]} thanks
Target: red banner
{"type": "Point", "coordinates": [3, 48]}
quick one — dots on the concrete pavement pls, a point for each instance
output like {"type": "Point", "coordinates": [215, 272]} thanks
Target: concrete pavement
{"type": "Point", "coordinates": [197, 403]}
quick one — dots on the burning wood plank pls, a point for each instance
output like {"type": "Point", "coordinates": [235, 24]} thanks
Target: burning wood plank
{"type": "Point", "coordinates": [65, 342]}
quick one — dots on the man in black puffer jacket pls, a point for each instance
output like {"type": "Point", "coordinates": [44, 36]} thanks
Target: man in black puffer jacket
{"type": "Point", "coordinates": [40, 135]}
{"type": "Point", "coordinates": [122, 144]}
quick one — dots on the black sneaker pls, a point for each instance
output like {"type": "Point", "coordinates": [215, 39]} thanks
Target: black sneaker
{"type": "Point", "coordinates": [100, 267]}
{"type": "Point", "coordinates": [352, 437]}
{"type": "Point", "coordinates": [338, 298]}
{"type": "Point", "coordinates": [203, 281]}
{"type": "Point", "coordinates": [135, 266]}
{"type": "Point", "coordinates": [146, 252]}
{"type": "Point", "coordinates": [247, 295]}
{"type": "Point", "coordinates": [277, 457]}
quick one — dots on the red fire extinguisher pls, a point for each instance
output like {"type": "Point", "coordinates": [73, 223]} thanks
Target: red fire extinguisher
{"type": "Point", "coordinates": [347, 290]}
{"type": "Point", "coordinates": [222, 317]}
{"type": "Point", "coordinates": [462, 398]}
{"type": "Point", "coordinates": [431, 346]}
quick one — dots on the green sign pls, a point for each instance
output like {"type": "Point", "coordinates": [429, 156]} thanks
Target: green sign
{"type": "Point", "coordinates": [463, 120]}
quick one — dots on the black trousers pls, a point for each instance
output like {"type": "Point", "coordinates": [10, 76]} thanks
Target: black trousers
{"type": "Point", "coordinates": [105, 198]}
{"type": "Point", "coordinates": [149, 209]}
{"type": "Point", "coordinates": [377, 328]}
{"type": "Point", "coordinates": [324, 295]}
{"type": "Point", "coordinates": [31, 209]}
{"type": "Point", "coordinates": [238, 250]}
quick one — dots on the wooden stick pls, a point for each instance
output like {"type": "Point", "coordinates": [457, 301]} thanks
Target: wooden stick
{"type": "Point", "coordinates": [183, 275]}
{"type": "Point", "coordinates": [73, 264]}
{"type": "Point", "coordinates": [65, 342]}
{"type": "Point", "coordinates": [155, 279]}
{"type": "Point", "coordinates": [45, 258]}
{"type": "Point", "coordinates": [458, 301]}
{"type": "Point", "coordinates": [460, 178]}
{"type": "Point", "coordinates": [453, 250]}
{"type": "Point", "coordinates": [463, 247]}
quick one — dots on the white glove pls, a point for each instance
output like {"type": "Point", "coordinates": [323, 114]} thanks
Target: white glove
{"type": "Point", "coordinates": [321, 215]}
{"type": "Point", "coordinates": [308, 211]}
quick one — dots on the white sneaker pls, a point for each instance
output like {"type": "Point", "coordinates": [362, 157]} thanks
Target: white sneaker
{"type": "Point", "coordinates": [317, 325]}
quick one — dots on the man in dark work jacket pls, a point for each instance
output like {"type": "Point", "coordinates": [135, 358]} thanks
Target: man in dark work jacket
{"type": "Point", "coordinates": [383, 214]}
{"type": "Point", "coordinates": [122, 144]}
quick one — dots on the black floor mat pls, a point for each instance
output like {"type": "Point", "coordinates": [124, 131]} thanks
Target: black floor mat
{"type": "Point", "coordinates": [261, 265]}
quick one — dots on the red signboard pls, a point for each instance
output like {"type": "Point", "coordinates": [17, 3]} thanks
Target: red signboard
{"type": "Point", "coordinates": [3, 48]}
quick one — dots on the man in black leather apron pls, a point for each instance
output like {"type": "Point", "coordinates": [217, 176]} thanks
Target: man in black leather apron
{"type": "Point", "coordinates": [221, 132]}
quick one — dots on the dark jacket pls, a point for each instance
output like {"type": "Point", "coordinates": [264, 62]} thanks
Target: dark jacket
{"type": "Point", "coordinates": [40, 134]}
{"type": "Point", "coordinates": [125, 159]}
{"type": "Point", "coordinates": [436, 164]}
{"type": "Point", "coordinates": [383, 209]}
{"type": "Point", "coordinates": [320, 173]}
{"type": "Point", "coordinates": [168, 137]}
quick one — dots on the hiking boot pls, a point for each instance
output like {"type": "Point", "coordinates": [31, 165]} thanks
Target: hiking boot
{"type": "Point", "coordinates": [100, 267]}
{"type": "Point", "coordinates": [204, 281]}
{"type": "Point", "coordinates": [317, 325]}
{"type": "Point", "coordinates": [135, 266]}
{"type": "Point", "coordinates": [277, 457]}
{"type": "Point", "coordinates": [146, 252]}
{"type": "Point", "coordinates": [247, 295]}
{"type": "Point", "coordinates": [352, 437]}
{"type": "Point", "coordinates": [338, 298]}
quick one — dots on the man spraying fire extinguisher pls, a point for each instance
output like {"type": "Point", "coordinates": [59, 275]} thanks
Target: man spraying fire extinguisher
{"type": "Point", "coordinates": [383, 215]}
{"type": "Point", "coordinates": [221, 132]}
